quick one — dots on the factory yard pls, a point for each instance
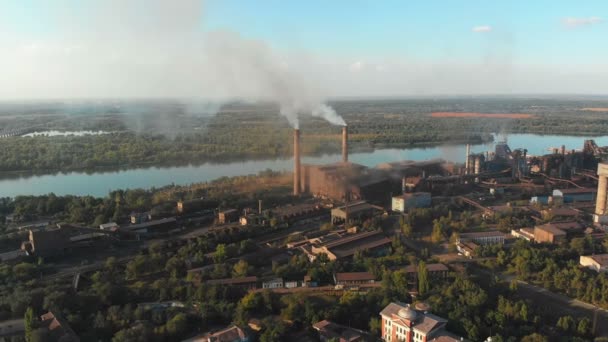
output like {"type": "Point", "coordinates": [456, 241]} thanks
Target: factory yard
{"type": "Point", "coordinates": [294, 250]}
{"type": "Point", "coordinates": [482, 115]}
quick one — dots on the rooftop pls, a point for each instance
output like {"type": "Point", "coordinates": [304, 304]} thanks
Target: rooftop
{"type": "Point", "coordinates": [350, 245]}
{"type": "Point", "coordinates": [549, 228]}
{"type": "Point", "coordinates": [150, 224]}
{"type": "Point", "coordinates": [577, 190]}
{"type": "Point", "coordinates": [478, 235]}
{"type": "Point", "coordinates": [330, 330]}
{"type": "Point", "coordinates": [430, 267]}
{"type": "Point", "coordinates": [601, 259]}
{"type": "Point", "coordinates": [230, 281]}
{"type": "Point", "coordinates": [354, 276]}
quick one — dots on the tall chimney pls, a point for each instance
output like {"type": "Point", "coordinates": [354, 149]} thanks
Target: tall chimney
{"type": "Point", "coordinates": [466, 160]}
{"type": "Point", "coordinates": [345, 144]}
{"type": "Point", "coordinates": [296, 162]}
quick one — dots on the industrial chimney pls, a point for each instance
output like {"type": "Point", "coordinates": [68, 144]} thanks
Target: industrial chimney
{"type": "Point", "coordinates": [296, 162]}
{"type": "Point", "coordinates": [345, 144]}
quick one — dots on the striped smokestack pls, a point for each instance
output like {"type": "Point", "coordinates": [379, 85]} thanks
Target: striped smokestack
{"type": "Point", "coordinates": [345, 144]}
{"type": "Point", "coordinates": [296, 162]}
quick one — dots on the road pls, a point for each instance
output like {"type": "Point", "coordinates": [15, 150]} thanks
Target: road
{"type": "Point", "coordinates": [564, 305]}
{"type": "Point", "coordinates": [556, 305]}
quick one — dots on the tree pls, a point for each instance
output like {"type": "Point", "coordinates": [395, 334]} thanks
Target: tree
{"type": "Point", "coordinates": [584, 327]}
{"type": "Point", "coordinates": [566, 323]}
{"type": "Point", "coordinates": [240, 269]}
{"type": "Point", "coordinates": [178, 325]}
{"type": "Point", "coordinates": [437, 234]}
{"type": "Point", "coordinates": [29, 323]}
{"type": "Point", "coordinates": [423, 278]}
{"type": "Point", "coordinates": [535, 338]}
{"type": "Point", "coordinates": [176, 267]}
{"type": "Point", "coordinates": [220, 254]}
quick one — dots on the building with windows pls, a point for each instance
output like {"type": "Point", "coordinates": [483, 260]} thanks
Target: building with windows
{"type": "Point", "coordinates": [400, 322]}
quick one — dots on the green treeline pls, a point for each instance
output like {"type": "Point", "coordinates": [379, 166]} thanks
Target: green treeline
{"type": "Point", "coordinates": [256, 132]}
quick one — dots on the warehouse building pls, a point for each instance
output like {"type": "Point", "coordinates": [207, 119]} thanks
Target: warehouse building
{"type": "Point", "coordinates": [411, 200]}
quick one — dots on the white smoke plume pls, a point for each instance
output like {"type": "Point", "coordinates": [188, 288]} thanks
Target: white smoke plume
{"type": "Point", "coordinates": [114, 49]}
{"type": "Point", "coordinates": [250, 70]}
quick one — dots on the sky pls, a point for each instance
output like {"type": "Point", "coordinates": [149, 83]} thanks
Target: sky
{"type": "Point", "coordinates": [303, 51]}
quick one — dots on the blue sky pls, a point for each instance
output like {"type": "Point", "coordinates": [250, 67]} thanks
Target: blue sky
{"type": "Point", "coordinates": [427, 29]}
{"type": "Point", "coordinates": [372, 42]}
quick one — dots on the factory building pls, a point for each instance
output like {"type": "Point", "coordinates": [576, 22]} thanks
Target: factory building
{"type": "Point", "coordinates": [556, 232]}
{"type": "Point", "coordinates": [411, 200]}
{"type": "Point", "coordinates": [345, 181]}
{"type": "Point", "coordinates": [357, 211]}
{"type": "Point", "coordinates": [345, 247]}
{"type": "Point", "coordinates": [575, 195]}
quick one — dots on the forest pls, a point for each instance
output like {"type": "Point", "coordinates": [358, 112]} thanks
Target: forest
{"type": "Point", "coordinates": [170, 133]}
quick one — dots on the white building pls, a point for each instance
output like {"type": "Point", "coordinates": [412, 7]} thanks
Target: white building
{"type": "Point", "coordinates": [400, 322]}
{"type": "Point", "coordinates": [276, 283]}
{"type": "Point", "coordinates": [597, 262]}
{"type": "Point", "coordinates": [411, 200]}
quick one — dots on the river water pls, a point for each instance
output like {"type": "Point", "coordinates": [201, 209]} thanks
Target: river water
{"type": "Point", "coordinates": [101, 183]}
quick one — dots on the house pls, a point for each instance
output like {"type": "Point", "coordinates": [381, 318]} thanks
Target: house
{"type": "Point", "coordinates": [111, 226]}
{"type": "Point", "coordinates": [596, 262]}
{"type": "Point", "coordinates": [576, 194]}
{"type": "Point", "coordinates": [227, 216]}
{"type": "Point", "coordinates": [58, 328]}
{"type": "Point", "coordinates": [229, 334]}
{"type": "Point", "coordinates": [330, 331]}
{"type": "Point", "coordinates": [354, 278]}
{"type": "Point", "coordinates": [411, 200]}
{"type": "Point", "coordinates": [400, 322]}
{"type": "Point", "coordinates": [435, 271]}
{"type": "Point", "coordinates": [276, 283]}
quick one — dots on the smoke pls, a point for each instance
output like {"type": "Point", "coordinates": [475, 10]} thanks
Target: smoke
{"type": "Point", "coordinates": [248, 69]}
{"type": "Point", "coordinates": [139, 49]}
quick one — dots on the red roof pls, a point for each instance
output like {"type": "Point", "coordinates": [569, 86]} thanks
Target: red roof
{"type": "Point", "coordinates": [354, 276]}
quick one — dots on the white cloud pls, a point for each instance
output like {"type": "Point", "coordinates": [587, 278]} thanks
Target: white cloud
{"type": "Point", "coordinates": [573, 22]}
{"type": "Point", "coordinates": [482, 28]}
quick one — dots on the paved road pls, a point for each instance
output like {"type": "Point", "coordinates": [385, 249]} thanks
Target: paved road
{"type": "Point", "coordinates": [556, 305]}
{"type": "Point", "coordinates": [564, 305]}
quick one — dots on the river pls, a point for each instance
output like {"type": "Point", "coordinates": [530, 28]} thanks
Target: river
{"type": "Point", "coordinates": [101, 183]}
